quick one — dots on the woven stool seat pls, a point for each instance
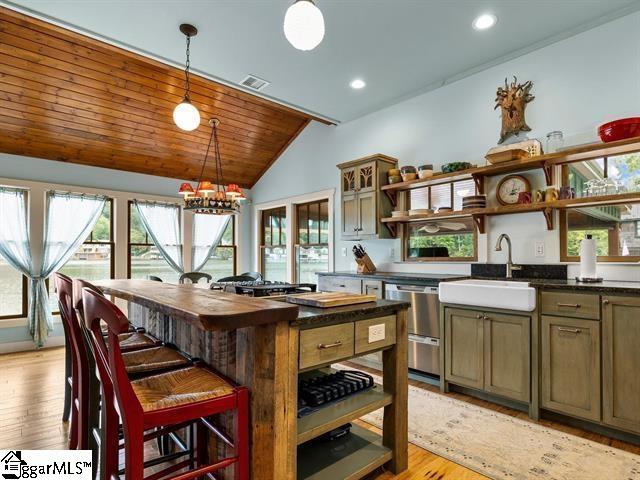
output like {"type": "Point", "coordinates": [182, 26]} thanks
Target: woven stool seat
{"type": "Point", "coordinates": [133, 340]}
{"type": "Point", "coordinates": [180, 387]}
{"type": "Point", "coordinates": [155, 358]}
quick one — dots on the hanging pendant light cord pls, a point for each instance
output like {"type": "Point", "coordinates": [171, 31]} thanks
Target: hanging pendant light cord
{"type": "Point", "coordinates": [187, 85]}
{"type": "Point", "coordinates": [206, 155]}
{"type": "Point", "coordinates": [218, 159]}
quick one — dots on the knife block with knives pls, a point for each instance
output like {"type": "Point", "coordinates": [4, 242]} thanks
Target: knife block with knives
{"type": "Point", "coordinates": [365, 264]}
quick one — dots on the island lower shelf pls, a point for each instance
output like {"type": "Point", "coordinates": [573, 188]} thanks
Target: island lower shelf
{"type": "Point", "coordinates": [350, 457]}
{"type": "Point", "coordinates": [344, 411]}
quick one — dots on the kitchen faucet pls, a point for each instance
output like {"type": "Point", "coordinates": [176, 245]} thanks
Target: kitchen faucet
{"type": "Point", "coordinates": [510, 266]}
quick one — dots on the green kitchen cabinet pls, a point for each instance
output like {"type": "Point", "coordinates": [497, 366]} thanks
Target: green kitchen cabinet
{"type": "Point", "coordinates": [464, 345]}
{"type": "Point", "coordinates": [488, 351]}
{"type": "Point", "coordinates": [507, 355]}
{"type": "Point", "coordinates": [621, 362]}
{"type": "Point", "coordinates": [363, 204]}
{"type": "Point", "coordinates": [570, 377]}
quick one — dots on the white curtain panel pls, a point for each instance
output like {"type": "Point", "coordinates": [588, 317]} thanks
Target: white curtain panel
{"type": "Point", "coordinates": [162, 223]}
{"type": "Point", "coordinates": [207, 233]}
{"type": "Point", "coordinates": [70, 217]}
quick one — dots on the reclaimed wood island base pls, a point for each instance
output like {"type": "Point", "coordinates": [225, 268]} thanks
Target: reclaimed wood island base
{"type": "Point", "coordinates": [265, 344]}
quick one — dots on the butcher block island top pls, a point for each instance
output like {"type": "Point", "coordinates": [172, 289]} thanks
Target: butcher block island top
{"type": "Point", "coordinates": [265, 344]}
{"type": "Point", "coordinates": [210, 309]}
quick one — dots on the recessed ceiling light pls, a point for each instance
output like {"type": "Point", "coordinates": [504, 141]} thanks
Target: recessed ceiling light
{"type": "Point", "coordinates": [357, 84]}
{"type": "Point", "coordinates": [485, 21]}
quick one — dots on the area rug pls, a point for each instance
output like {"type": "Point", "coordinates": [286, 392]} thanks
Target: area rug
{"type": "Point", "coordinates": [502, 447]}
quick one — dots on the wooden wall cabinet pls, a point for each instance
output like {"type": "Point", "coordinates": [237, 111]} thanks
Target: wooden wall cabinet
{"type": "Point", "coordinates": [621, 362]}
{"type": "Point", "coordinates": [363, 204]}
{"type": "Point", "coordinates": [488, 351]}
{"type": "Point", "coordinates": [571, 366]}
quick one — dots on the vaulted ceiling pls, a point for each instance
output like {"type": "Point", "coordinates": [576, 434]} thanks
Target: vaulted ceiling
{"type": "Point", "coordinates": [67, 97]}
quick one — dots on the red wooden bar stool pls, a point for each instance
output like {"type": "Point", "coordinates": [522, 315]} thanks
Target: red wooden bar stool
{"type": "Point", "coordinates": [138, 362]}
{"type": "Point", "coordinates": [160, 358]}
{"type": "Point", "coordinates": [165, 401]}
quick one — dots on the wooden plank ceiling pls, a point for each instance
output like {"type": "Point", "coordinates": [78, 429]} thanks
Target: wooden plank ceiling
{"type": "Point", "coordinates": [67, 97]}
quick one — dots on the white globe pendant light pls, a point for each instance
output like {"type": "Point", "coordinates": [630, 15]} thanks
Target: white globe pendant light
{"type": "Point", "coordinates": [304, 25]}
{"type": "Point", "coordinates": [185, 115]}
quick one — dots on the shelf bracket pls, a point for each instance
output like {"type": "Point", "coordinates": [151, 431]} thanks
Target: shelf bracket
{"type": "Point", "coordinates": [479, 181]}
{"type": "Point", "coordinates": [549, 171]}
{"type": "Point", "coordinates": [479, 220]}
{"type": "Point", "coordinates": [393, 228]}
{"type": "Point", "coordinates": [548, 216]}
{"type": "Point", "coordinates": [393, 196]}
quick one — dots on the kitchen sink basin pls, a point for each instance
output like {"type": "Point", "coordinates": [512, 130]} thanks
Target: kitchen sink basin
{"type": "Point", "coordinates": [505, 294]}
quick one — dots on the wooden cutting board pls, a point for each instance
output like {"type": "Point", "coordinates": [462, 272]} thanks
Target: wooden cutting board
{"type": "Point", "coordinates": [329, 299]}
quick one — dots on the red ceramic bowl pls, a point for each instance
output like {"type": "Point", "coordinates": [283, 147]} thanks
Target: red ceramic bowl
{"type": "Point", "coordinates": [620, 129]}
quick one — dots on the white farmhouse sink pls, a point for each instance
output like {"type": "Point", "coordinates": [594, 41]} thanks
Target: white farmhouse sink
{"type": "Point", "coordinates": [489, 293]}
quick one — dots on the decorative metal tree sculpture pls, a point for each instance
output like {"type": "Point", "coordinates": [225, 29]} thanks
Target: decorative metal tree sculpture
{"type": "Point", "coordinates": [512, 100]}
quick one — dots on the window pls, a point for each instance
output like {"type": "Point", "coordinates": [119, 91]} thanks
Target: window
{"type": "Point", "coordinates": [614, 227]}
{"type": "Point", "coordinates": [95, 257]}
{"type": "Point", "coordinates": [312, 242]}
{"type": "Point", "coordinates": [144, 258]}
{"type": "Point", "coordinates": [222, 262]}
{"type": "Point", "coordinates": [13, 285]}
{"type": "Point", "coordinates": [446, 239]}
{"type": "Point", "coordinates": [273, 244]}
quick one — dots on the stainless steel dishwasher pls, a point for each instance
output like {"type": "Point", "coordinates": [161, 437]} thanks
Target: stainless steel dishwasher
{"type": "Point", "coordinates": [422, 324]}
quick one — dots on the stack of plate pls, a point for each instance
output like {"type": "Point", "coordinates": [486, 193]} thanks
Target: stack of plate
{"type": "Point", "coordinates": [474, 201]}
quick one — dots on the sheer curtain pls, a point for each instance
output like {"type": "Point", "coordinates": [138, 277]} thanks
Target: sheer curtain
{"type": "Point", "coordinates": [207, 232]}
{"type": "Point", "coordinates": [162, 223]}
{"type": "Point", "coordinates": [69, 219]}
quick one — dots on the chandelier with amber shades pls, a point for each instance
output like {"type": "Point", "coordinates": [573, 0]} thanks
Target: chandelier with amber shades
{"type": "Point", "coordinates": [208, 198]}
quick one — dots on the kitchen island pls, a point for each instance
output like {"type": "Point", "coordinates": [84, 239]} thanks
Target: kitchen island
{"type": "Point", "coordinates": [265, 344]}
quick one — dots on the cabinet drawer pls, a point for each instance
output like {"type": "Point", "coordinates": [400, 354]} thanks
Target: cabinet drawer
{"type": "Point", "coordinates": [320, 346]}
{"type": "Point", "coordinates": [362, 343]}
{"type": "Point", "coordinates": [339, 284]}
{"type": "Point", "coordinates": [576, 305]}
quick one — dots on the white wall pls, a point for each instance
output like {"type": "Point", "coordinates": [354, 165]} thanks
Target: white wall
{"type": "Point", "coordinates": [579, 83]}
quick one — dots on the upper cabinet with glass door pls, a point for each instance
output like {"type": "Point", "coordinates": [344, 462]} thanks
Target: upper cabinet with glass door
{"type": "Point", "coordinates": [362, 203]}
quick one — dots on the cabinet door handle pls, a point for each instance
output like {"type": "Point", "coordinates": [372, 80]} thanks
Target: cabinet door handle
{"type": "Point", "coordinates": [605, 301]}
{"type": "Point", "coordinates": [568, 330]}
{"type": "Point", "coordinates": [479, 316]}
{"type": "Point", "coordinates": [324, 346]}
{"type": "Point", "coordinates": [569, 305]}
{"type": "Point", "coordinates": [486, 317]}
{"type": "Point", "coordinates": [341, 286]}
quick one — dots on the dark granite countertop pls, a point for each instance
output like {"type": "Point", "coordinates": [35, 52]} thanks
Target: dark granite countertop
{"type": "Point", "coordinates": [399, 277]}
{"type": "Point", "coordinates": [607, 286]}
{"type": "Point", "coordinates": [538, 281]}
{"type": "Point", "coordinates": [312, 316]}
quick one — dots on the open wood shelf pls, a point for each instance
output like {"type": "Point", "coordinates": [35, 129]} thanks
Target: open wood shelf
{"type": "Point", "coordinates": [350, 457]}
{"type": "Point", "coordinates": [545, 162]}
{"type": "Point", "coordinates": [346, 410]}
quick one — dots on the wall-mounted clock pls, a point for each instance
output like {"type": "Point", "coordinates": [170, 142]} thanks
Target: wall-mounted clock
{"type": "Point", "coordinates": [510, 187]}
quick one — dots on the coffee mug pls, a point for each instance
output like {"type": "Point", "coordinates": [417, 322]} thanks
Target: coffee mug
{"type": "Point", "coordinates": [551, 194]}
{"type": "Point", "coordinates": [537, 196]}
{"type": "Point", "coordinates": [567, 193]}
{"type": "Point", "coordinates": [524, 197]}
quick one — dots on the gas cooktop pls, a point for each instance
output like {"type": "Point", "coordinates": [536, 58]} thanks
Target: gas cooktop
{"type": "Point", "coordinates": [263, 288]}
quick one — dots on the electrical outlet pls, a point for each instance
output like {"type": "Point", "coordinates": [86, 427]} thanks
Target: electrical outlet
{"type": "Point", "coordinates": [376, 333]}
{"type": "Point", "coordinates": [392, 253]}
{"type": "Point", "coordinates": [539, 252]}
{"type": "Point", "coordinates": [344, 251]}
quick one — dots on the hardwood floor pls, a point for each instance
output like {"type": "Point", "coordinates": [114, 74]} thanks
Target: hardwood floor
{"type": "Point", "coordinates": [31, 398]}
